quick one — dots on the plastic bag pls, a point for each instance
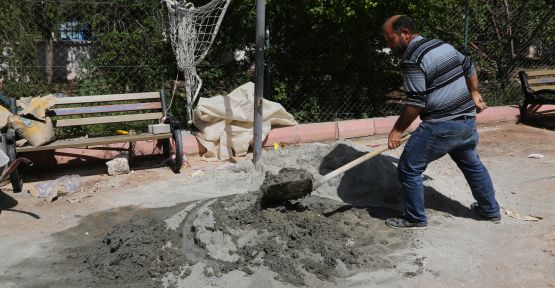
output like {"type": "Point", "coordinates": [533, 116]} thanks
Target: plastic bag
{"type": "Point", "coordinates": [54, 188]}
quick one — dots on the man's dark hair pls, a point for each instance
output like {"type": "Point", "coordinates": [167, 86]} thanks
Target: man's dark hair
{"type": "Point", "coordinates": [404, 22]}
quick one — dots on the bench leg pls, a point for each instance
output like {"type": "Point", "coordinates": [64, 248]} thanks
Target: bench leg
{"type": "Point", "coordinates": [130, 151]}
{"type": "Point", "coordinates": [523, 111]}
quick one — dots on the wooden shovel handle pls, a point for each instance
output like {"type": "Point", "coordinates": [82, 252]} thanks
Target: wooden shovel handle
{"type": "Point", "coordinates": [355, 162]}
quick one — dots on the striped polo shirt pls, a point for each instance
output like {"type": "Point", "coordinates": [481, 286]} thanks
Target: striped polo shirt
{"type": "Point", "coordinates": [434, 78]}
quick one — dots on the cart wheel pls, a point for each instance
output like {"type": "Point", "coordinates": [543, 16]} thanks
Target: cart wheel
{"type": "Point", "coordinates": [15, 177]}
{"type": "Point", "coordinates": [178, 150]}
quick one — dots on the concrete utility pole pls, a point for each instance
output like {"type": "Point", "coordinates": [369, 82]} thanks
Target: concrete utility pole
{"type": "Point", "coordinates": [259, 84]}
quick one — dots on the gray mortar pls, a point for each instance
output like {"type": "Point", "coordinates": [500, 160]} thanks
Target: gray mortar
{"type": "Point", "coordinates": [139, 251]}
{"type": "Point", "coordinates": [320, 236]}
{"type": "Point", "coordinates": [317, 236]}
{"type": "Point", "coordinates": [219, 245]}
{"type": "Point", "coordinates": [313, 235]}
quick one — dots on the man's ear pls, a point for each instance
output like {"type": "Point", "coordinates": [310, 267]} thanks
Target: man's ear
{"type": "Point", "coordinates": [405, 33]}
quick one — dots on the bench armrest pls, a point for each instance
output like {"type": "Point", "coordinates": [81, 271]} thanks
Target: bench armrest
{"type": "Point", "coordinates": [524, 83]}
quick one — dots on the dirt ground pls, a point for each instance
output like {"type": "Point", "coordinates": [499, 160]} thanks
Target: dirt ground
{"type": "Point", "coordinates": [46, 244]}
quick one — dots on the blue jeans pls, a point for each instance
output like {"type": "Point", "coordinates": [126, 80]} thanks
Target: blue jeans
{"type": "Point", "coordinates": [431, 141]}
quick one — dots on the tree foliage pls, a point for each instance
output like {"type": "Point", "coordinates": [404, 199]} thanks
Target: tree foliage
{"type": "Point", "coordinates": [324, 55]}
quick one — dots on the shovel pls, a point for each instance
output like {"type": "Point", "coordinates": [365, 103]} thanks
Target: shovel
{"type": "Point", "coordinates": [299, 184]}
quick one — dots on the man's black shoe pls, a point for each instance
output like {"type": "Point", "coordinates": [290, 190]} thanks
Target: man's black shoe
{"type": "Point", "coordinates": [401, 223]}
{"type": "Point", "coordinates": [474, 207]}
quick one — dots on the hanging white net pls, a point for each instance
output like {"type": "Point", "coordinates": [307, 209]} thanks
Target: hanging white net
{"type": "Point", "coordinates": [192, 31]}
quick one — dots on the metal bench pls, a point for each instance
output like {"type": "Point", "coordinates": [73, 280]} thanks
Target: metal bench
{"type": "Point", "coordinates": [539, 89]}
{"type": "Point", "coordinates": [103, 109]}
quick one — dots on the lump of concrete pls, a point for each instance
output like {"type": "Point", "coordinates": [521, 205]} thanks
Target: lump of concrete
{"type": "Point", "coordinates": [288, 184]}
{"type": "Point", "coordinates": [118, 166]}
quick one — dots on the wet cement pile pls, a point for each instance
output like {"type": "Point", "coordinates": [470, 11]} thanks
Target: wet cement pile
{"type": "Point", "coordinates": [324, 237]}
{"type": "Point", "coordinates": [140, 251]}
{"type": "Point", "coordinates": [315, 235]}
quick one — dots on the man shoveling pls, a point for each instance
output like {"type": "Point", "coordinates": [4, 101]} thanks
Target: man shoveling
{"type": "Point", "coordinates": [442, 88]}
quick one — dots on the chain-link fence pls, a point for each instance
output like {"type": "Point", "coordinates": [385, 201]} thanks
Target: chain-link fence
{"type": "Point", "coordinates": [325, 59]}
{"type": "Point", "coordinates": [505, 37]}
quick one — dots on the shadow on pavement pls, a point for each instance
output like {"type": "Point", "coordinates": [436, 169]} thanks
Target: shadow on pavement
{"type": "Point", "coordinates": [374, 185]}
{"type": "Point", "coordinates": [7, 203]}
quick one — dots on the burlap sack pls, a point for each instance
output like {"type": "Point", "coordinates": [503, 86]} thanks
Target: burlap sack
{"type": "Point", "coordinates": [36, 132]}
{"type": "Point", "coordinates": [226, 122]}
{"type": "Point", "coordinates": [36, 106]}
{"type": "Point", "coordinates": [4, 116]}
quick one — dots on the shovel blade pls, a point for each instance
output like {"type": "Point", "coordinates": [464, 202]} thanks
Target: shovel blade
{"type": "Point", "coordinates": [288, 184]}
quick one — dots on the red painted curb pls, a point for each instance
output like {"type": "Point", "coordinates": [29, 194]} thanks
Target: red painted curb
{"type": "Point", "coordinates": [191, 145]}
{"type": "Point", "coordinates": [315, 132]}
{"type": "Point", "coordinates": [282, 135]}
{"type": "Point", "coordinates": [384, 124]}
{"type": "Point", "coordinates": [356, 128]}
{"type": "Point", "coordinates": [496, 114]}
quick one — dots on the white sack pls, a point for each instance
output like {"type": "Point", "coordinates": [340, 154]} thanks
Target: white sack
{"type": "Point", "coordinates": [226, 122]}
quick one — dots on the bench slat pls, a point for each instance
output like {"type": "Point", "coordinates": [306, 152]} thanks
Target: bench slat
{"type": "Point", "coordinates": [104, 109]}
{"type": "Point", "coordinates": [399, 102]}
{"type": "Point", "coordinates": [396, 96]}
{"type": "Point", "coordinates": [545, 87]}
{"type": "Point", "coordinates": [84, 142]}
{"type": "Point", "coordinates": [540, 72]}
{"type": "Point", "coordinates": [104, 98]}
{"type": "Point", "coordinates": [108, 119]}
{"type": "Point", "coordinates": [107, 98]}
{"type": "Point", "coordinates": [541, 81]}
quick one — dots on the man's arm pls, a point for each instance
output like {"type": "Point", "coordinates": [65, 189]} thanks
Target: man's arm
{"type": "Point", "coordinates": [472, 82]}
{"type": "Point", "coordinates": [414, 81]}
{"type": "Point", "coordinates": [408, 115]}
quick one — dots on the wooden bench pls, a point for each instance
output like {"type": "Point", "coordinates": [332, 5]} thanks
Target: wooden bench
{"type": "Point", "coordinates": [398, 98]}
{"type": "Point", "coordinates": [539, 89]}
{"type": "Point", "coordinates": [100, 109]}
